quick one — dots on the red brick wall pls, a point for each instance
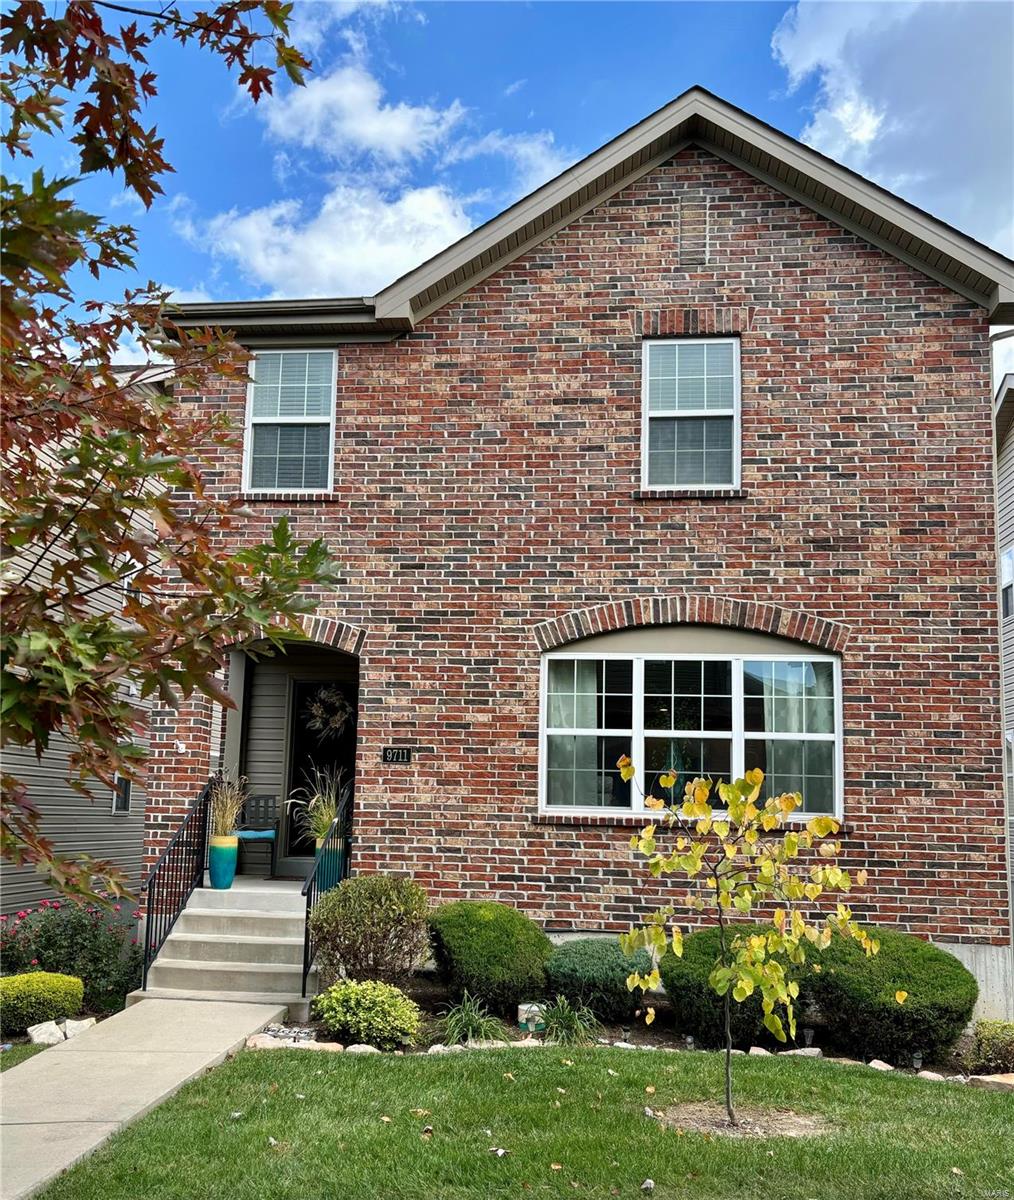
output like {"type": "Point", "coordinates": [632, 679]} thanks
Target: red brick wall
{"type": "Point", "coordinates": [487, 476]}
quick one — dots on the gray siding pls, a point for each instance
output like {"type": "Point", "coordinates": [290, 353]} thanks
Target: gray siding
{"type": "Point", "coordinates": [1005, 533]}
{"type": "Point", "coordinates": [75, 824]}
{"type": "Point", "coordinates": [267, 718]}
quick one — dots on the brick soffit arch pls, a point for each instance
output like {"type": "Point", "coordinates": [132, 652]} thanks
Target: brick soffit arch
{"type": "Point", "coordinates": [330, 631]}
{"type": "Point", "coordinates": [692, 610]}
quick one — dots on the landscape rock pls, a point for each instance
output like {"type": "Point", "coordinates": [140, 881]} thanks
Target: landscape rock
{"type": "Point", "coordinates": [440, 1048]}
{"type": "Point", "coordinates": [878, 1064]}
{"type": "Point", "coordinates": [359, 1048]}
{"type": "Point", "coordinates": [265, 1041]}
{"type": "Point", "coordinates": [846, 1062]}
{"type": "Point", "coordinates": [624, 1045]}
{"type": "Point", "coordinates": [487, 1044]}
{"type": "Point", "coordinates": [805, 1052]}
{"type": "Point", "coordinates": [46, 1033]}
{"type": "Point", "coordinates": [957, 1079]}
{"type": "Point", "coordinates": [73, 1028]}
{"type": "Point", "coordinates": [994, 1083]}
{"type": "Point", "coordinates": [527, 1043]}
{"type": "Point", "coordinates": [760, 1052]}
{"type": "Point", "coordinates": [330, 1047]}
{"type": "Point", "coordinates": [934, 1075]}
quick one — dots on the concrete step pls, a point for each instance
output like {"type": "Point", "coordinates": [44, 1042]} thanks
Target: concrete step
{"type": "Point", "coordinates": [240, 922]}
{"type": "Point", "coordinates": [230, 947]}
{"type": "Point", "coordinates": [268, 896]}
{"type": "Point", "coordinates": [219, 976]}
{"type": "Point", "coordinates": [298, 1007]}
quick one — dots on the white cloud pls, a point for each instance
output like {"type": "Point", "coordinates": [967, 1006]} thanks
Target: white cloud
{"type": "Point", "coordinates": [918, 96]}
{"type": "Point", "coordinates": [534, 157]}
{"type": "Point", "coordinates": [192, 295]}
{"type": "Point", "coordinates": [344, 112]}
{"type": "Point", "coordinates": [358, 240]}
{"type": "Point", "coordinates": [513, 88]}
{"type": "Point", "coordinates": [314, 20]}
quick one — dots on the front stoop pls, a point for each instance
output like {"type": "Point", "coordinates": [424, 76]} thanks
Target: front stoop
{"type": "Point", "coordinates": [241, 945]}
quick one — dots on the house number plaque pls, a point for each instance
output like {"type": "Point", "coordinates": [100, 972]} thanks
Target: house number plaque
{"type": "Point", "coordinates": [396, 754]}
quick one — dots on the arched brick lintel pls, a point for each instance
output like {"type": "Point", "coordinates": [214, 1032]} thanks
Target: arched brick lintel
{"type": "Point", "coordinates": [692, 610]}
{"type": "Point", "coordinates": [329, 631]}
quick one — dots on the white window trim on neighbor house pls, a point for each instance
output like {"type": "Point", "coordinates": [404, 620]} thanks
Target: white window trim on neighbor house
{"type": "Point", "coordinates": [648, 415]}
{"type": "Point", "coordinates": [637, 733]}
{"type": "Point", "coordinates": [328, 419]}
{"type": "Point", "coordinates": [1007, 583]}
{"type": "Point", "coordinates": [121, 787]}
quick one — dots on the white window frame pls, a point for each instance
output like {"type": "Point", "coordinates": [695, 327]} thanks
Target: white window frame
{"type": "Point", "coordinates": [121, 812]}
{"type": "Point", "coordinates": [1006, 579]}
{"type": "Point", "coordinates": [646, 416]}
{"type": "Point", "coordinates": [738, 735]}
{"type": "Point", "coordinates": [250, 421]}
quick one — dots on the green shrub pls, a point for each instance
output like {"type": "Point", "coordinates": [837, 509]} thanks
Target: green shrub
{"type": "Point", "coordinates": [374, 1013]}
{"type": "Point", "coordinates": [35, 997]}
{"type": "Point", "coordinates": [370, 927]}
{"type": "Point", "coordinates": [992, 1050]}
{"type": "Point", "coordinates": [856, 996]}
{"type": "Point", "coordinates": [569, 1024]}
{"type": "Point", "coordinates": [470, 1021]}
{"type": "Point", "coordinates": [97, 945]}
{"type": "Point", "coordinates": [593, 972]}
{"type": "Point", "coordinates": [699, 1011]}
{"type": "Point", "coordinates": [491, 951]}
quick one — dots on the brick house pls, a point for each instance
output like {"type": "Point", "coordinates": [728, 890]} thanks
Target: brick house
{"type": "Point", "coordinates": [687, 455]}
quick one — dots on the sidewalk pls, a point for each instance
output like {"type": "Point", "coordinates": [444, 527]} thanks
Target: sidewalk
{"type": "Point", "coordinates": [60, 1105]}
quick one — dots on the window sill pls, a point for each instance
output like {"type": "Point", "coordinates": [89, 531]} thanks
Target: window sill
{"type": "Point", "coordinates": [621, 820]}
{"type": "Point", "coordinates": [287, 497]}
{"type": "Point", "coordinates": [668, 494]}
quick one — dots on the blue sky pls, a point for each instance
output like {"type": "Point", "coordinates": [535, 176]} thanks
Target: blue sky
{"type": "Point", "coordinates": [423, 120]}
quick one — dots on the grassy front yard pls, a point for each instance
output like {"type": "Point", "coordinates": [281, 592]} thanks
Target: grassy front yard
{"type": "Point", "coordinates": [898, 1138]}
{"type": "Point", "coordinates": [17, 1054]}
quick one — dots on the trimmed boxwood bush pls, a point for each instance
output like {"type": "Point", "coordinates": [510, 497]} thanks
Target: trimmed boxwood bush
{"type": "Point", "coordinates": [856, 997]}
{"type": "Point", "coordinates": [37, 996]}
{"type": "Point", "coordinates": [992, 1050]}
{"type": "Point", "coordinates": [593, 972]}
{"type": "Point", "coordinates": [370, 927]}
{"type": "Point", "coordinates": [370, 1013]}
{"type": "Point", "coordinates": [490, 950]}
{"type": "Point", "coordinates": [699, 1011]}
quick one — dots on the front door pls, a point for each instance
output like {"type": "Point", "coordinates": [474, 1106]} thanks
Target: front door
{"type": "Point", "coordinates": [321, 749]}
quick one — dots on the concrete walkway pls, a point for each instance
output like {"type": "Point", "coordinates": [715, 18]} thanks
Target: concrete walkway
{"type": "Point", "coordinates": [60, 1105]}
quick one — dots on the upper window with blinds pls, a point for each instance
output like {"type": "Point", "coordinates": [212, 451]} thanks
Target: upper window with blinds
{"type": "Point", "coordinates": [690, 436]}
{"type": "Point", "coordinates": [290, 421]}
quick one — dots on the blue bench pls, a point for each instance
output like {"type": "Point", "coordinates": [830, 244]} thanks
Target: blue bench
{"type": "Point", "coordinates": [260, 824]}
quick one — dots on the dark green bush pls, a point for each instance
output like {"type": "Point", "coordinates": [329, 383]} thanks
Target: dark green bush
{"type": "Point", "coordinates": [856, 997]}
{"type": "Point", "coordinates": [593, 972]}
{"type": "Point", "coordinates": [37, 996]}
{"type": "Point", "coordinates": [97, 945]}
{"type": "Point", "coordinates": [699, 1011]}
{"type": "Point", "coordinates": [370, 927]}
{"type": "Point", "coordinates": [490, 950]}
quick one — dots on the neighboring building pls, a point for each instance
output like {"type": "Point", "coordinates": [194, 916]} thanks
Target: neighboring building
{"type": "Point", "coordinates": [1005, 540]}
{"type": "Point", "coordinates": [688, 455]}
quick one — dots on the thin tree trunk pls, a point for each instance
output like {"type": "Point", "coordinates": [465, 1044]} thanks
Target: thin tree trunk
{"type": "Point", "coordinates": [727, 1010]}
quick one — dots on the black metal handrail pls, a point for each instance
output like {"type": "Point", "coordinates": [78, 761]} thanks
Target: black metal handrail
{"type": "Point", "coordinates": [171, 881]}
{"type": "Point", "coordinates": [330, 867]}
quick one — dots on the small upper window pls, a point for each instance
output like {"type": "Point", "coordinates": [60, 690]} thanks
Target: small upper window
{"type": "Point", "coordinates": [691, 413]}
{"type": "Point", "coordinates": [121, 796]}
{"type": "Point", "coordinates": [1007, 582]}
{"type": "Point", "coordinates": [290, 421]}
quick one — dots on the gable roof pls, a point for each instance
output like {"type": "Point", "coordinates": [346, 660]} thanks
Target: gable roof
{"type": "Point", "coordinates": [695, 118]}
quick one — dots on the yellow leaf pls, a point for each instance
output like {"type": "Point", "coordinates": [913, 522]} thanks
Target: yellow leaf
{"type": "Point", "coordinates": [668, 780]}
{"type": "Point", "coordinates": [653, 803]}
{"type": "Point", "coordinates": [901, 997]}
{"type": "Point", "coordinates": [650, 1089]}
{"type": "Point", "coordinates": [556, 1166]}
{"type": "Point", "coordinates": [386, 1120]}
{"type": "Point", "coordinates": [508, 1075]}
{"type": "Point", "coordinates": [649, 1016]}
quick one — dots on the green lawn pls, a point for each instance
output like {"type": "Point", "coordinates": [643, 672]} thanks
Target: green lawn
{"type": "Point", "coordinates": [17, 1054]}
{"type": "Point", "coordinates": [899, 1138]}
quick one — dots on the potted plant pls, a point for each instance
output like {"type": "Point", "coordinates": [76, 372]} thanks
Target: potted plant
{"type": "Point", "coordinates": [227, 799]}
{"type": "Point", "coordinates": [319, 802]}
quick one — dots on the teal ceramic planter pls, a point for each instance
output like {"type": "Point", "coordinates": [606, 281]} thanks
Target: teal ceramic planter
{"type": "Point", "coordinates": [222, 855]}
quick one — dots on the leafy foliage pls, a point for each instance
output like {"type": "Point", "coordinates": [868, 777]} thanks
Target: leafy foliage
{"type": "Point", "coordinates": [992, 1047]}
{"type": "Point", "coordinates": [370, 927]}
{"type": "Point", "coordinates": [93, 943]}
{"type": "Point", "coordinates": [491, 951]}
{"type": "Point", "coordinates": [374, 1013]}
{"type": "Point", "coordinates": [593, 972]}
{"type": "Point", "coordinates": [735, 860]}
{"type": "Point", "coordinates": [470, 1021]}
{"type": "Point", "coordinates": [567, 1023]}
{"type": "Point", "coordinates": [323, 798]}
{"type": "Point", "coordinates": [698, 1008]}
{"type": "Point", "coordinates": [35, 997]}
{"type": "Point", "coordinates": [859, 1000]}
{"type": "Point", "coordinates": [104, 482]}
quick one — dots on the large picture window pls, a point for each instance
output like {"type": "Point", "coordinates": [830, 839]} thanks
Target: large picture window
{"type": "Point", "coordinates": [290, 421]}
{"type": "Point", "coordinates": [691, 392]}
{"type": "Point", "coordinates": [703, 715]}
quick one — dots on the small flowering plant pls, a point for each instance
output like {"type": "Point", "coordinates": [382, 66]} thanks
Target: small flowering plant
{"type": "Point", "coordinates": [734, 860]}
